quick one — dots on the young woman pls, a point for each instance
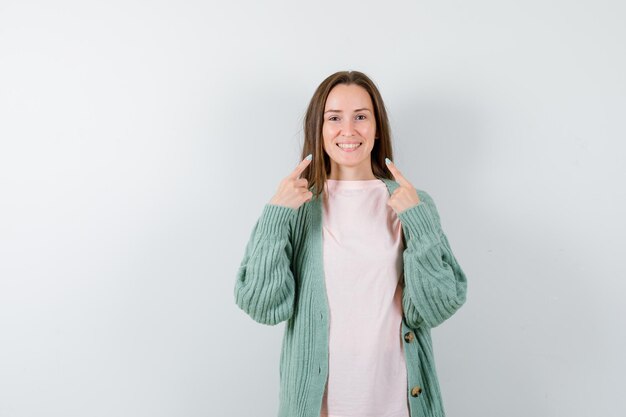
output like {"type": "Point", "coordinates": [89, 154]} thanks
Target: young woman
{"type": "Point", "coordinates": [354, 259]}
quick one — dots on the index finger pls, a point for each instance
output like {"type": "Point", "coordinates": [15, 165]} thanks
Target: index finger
{"type": "Point", "coordinates": [397, 175]}
{"type": "Point", "coordinates": [300, 167]}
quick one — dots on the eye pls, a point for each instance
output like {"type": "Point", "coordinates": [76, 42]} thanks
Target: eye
{"type": "Point", "coordinates": [361, 115]}
{"type": "Point", "coordinates": [332, 118]}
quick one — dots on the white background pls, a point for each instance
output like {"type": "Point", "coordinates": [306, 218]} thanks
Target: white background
{"type": "Point", "coordinates": [140, 141]}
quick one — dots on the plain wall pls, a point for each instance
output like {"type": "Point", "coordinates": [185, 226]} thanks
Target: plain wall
{"type": "Point", "coordinates": [141, 139]}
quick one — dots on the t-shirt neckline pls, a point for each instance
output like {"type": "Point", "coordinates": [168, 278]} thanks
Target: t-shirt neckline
{"type": "Point", "coordinates": [354, 184]}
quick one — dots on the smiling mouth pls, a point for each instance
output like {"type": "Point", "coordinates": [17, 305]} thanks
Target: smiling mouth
{"type": "Point", "coordinates": [349, 146]}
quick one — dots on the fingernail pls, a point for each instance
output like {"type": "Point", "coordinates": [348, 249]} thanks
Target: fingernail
{"type": "Point", "coordinates": [309, 156]}
{"type": "Point", "coordinates": [387, 161]}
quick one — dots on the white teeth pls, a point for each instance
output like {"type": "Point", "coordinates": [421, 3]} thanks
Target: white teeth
{"type": "Point", "coordinates": [348, 145]}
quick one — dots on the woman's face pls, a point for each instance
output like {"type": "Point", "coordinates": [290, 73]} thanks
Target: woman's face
{"type": "Point", "coordinates": [349, 119]}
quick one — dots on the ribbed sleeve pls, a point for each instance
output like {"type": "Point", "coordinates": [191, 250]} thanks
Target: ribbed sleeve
{"type": "Point", "coordinates": [435, 284]}
{"type": "Point", "coordinates": [265, 286]}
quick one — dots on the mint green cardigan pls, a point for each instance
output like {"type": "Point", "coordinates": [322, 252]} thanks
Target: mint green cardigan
{"type": "Point", "coordinates": [281, 278]}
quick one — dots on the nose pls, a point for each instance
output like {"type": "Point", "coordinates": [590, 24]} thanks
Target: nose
{"type": "Point", "coordinates": [348, 127]}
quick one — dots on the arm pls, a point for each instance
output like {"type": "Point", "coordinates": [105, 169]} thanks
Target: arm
{"type": "Point", "coordinates": [435, 285]}
{"type": "Point", "coordinates": [265, 286]}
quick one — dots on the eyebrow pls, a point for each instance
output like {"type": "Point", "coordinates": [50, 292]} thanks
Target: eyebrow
{"type": "Point", "coordinates": [339, 111]}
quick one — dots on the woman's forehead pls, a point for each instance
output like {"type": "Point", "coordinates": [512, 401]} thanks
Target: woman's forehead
{"type": "Point", "coordinates": [348, 98]}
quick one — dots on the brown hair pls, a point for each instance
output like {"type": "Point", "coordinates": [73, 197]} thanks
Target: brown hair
{"type": "Point", "coordinates": [316, 172]}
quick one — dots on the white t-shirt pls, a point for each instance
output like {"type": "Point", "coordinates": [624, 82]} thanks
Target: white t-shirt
{"type": "Point", "coordinates": [362, 249]}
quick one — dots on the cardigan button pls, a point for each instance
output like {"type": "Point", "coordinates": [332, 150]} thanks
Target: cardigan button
{"type": "Point", "coordinates": [408, 337]}
{"type": "Point", "coordinates": [416, 390]}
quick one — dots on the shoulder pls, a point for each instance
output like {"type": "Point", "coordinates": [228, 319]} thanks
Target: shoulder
{"type": "Point", "coordinates": [425, 196]}
{"type": "Point", "coordinates": [422, 194]}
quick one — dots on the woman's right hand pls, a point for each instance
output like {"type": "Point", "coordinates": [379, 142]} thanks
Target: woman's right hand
{"type": "Point", "coordinates": [293, 191]}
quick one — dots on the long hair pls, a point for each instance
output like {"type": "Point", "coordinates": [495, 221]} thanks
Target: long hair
{"type": "Point", "coordinates": [318, 170]}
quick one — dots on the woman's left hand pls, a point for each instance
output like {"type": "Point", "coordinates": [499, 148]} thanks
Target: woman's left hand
{"type": "Point", "coordinates": [403, 197]}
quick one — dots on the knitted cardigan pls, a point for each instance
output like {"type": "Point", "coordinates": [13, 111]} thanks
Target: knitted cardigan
{"type": "Point", "coordinates": [281, 278]}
